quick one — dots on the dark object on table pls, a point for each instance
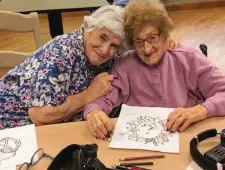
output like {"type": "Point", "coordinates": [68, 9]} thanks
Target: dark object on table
{"type": "Point", "coordinates": [213, 159]}
{"type": "Point", "coordinates": [77, 157]}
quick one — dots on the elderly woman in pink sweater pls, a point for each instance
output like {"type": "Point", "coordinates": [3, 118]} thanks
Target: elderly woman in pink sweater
{"type": "Point", "coordinates": [152, 76]}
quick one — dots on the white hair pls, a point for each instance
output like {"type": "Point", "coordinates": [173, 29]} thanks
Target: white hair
{"type": "Point", "coordinates": [110, 17]}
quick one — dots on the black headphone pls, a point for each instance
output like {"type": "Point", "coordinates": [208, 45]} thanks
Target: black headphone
{"type": "Point", "coordinates": [213, 159]}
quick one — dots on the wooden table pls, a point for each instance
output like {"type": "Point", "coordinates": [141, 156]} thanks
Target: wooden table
{"type": "Point", "coordinates": [53, 138]}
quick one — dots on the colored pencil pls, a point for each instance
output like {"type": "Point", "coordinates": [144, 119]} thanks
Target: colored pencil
{"type": "Point", "coordinates": [135, 163]}
{"type": "Point", "coordinates": [142, 157]}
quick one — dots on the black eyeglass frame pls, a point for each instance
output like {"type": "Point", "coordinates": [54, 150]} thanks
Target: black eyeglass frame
{"type": "Point", "coordinates": [34, 163]}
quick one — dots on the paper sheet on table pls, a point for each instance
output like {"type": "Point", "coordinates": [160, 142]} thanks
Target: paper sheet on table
{"type": "Point", "coordinates": [144, 128]}
{"type": "Point", "coordinates": [193, 166]}
{"type": "Point", "coordinates": [9, 168]}
{"type": "Point", "coordinates": [17, 145]}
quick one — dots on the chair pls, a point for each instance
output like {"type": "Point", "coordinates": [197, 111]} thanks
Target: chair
{"type": "Point", "coordinates": [11, 58]}
{"type": "Point", "coordinates": [16, 22]}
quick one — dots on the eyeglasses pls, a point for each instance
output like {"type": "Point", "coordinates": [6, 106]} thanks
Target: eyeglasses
{"type": "Point", "coordinates": [27, 166]}
{"type": "Point", "coordinates": [153, 39]}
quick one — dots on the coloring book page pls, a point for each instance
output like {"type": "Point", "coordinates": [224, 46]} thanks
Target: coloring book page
{"type": "Point", "coordinates": [144, 128]}
{"type": "Point", "coordinates": [9, 168]}
{"type": "Point", "coordinates": [17, 145]}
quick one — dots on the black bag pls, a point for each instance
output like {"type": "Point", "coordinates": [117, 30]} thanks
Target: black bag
{"type": "Point", "coordinates": [77, 157]}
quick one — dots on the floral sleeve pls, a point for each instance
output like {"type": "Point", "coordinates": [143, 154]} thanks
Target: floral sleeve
{"type": "Point", "coordinates": [47, 74]}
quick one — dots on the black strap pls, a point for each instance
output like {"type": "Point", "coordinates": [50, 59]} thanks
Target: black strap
{"type": "Point", "coordinates": [91, 150]}
{"type": "Point", "coordinates": [206, 134]}
{"type": "Point", "coordinates": [95, 164]}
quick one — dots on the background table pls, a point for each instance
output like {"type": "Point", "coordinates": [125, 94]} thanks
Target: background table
{"type": "Point", "coordinates": [53, 8]}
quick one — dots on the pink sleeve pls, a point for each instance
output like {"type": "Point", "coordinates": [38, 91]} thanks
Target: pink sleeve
{"type": "Point", "coordinates": [115, 97]}
{"type": "Point", "coordinates": [210, 83]}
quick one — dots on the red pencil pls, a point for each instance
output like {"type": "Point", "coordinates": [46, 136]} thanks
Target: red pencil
{"type": "Point", "coordinates": [142, 157]}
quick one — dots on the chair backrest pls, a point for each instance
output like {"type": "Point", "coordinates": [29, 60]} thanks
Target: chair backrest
{"type": "Point", "coordinates": [10, 59]}
{"type": "Point", "coordinates": [17, 22]}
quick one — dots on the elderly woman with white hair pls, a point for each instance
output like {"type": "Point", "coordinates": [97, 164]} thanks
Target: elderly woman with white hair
{"type": "Point", "coordinates": [60, 78]}
{"type": "Point", "coordinates": [56, 81]}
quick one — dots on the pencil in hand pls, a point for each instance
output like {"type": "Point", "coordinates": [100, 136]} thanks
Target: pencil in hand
{"type": "Point", "coordinates": [109, 136]}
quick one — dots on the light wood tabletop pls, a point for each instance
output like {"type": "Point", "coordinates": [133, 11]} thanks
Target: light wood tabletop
{"type": "Point", "coordinates": [53, 138]}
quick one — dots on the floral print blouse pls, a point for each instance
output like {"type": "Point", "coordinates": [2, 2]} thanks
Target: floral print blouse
{"type": "Point", "coordinates": [46, 78]}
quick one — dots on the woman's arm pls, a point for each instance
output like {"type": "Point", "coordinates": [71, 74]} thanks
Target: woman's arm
{"type": "Point", "coordinates": [50, 115]}
{"type": "Point", "coordinates": [97, 112]}
{"type": "Point", "coordinates": [73, 104]}
{"type": "Point", "coordinates": [203, 78]}
{"type": "Point", "coordinates": [211, 84]}
{"type": "Point", "coordinates": [120, 90]}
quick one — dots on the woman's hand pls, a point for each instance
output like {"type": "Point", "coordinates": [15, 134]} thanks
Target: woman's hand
{"type": "Point", "coordinates": [172, 44]}
{"type": "Point", "coordinates": [181, 118]}
{"type": "Point", "coordinates": [100, 86]}
{"type": "Point", "coordinates": [99, 124]}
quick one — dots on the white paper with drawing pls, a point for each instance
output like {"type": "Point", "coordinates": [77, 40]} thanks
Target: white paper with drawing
{"type": "Point", "coordinates": [17, 145]}
{"type": "Point", "coordinates": [9, 168]}
{"type": "Point", "coordinates": [144, 128]}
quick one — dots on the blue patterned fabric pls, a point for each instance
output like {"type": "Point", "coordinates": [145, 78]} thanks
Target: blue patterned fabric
{"type": "Point", "coordinates": [46, 78]}
{"type": "Point", "coordinates": [121, 2]}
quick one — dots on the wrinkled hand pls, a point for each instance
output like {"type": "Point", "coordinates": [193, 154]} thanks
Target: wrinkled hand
{"type": "Point", "coordinates": [172, 44]}
{"type": "Point", "coordinates": [100, 86]}
{"type": "Point", "coordinates": [181, 118]}
{"type": "Point", "coordinates": [99, 124]}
